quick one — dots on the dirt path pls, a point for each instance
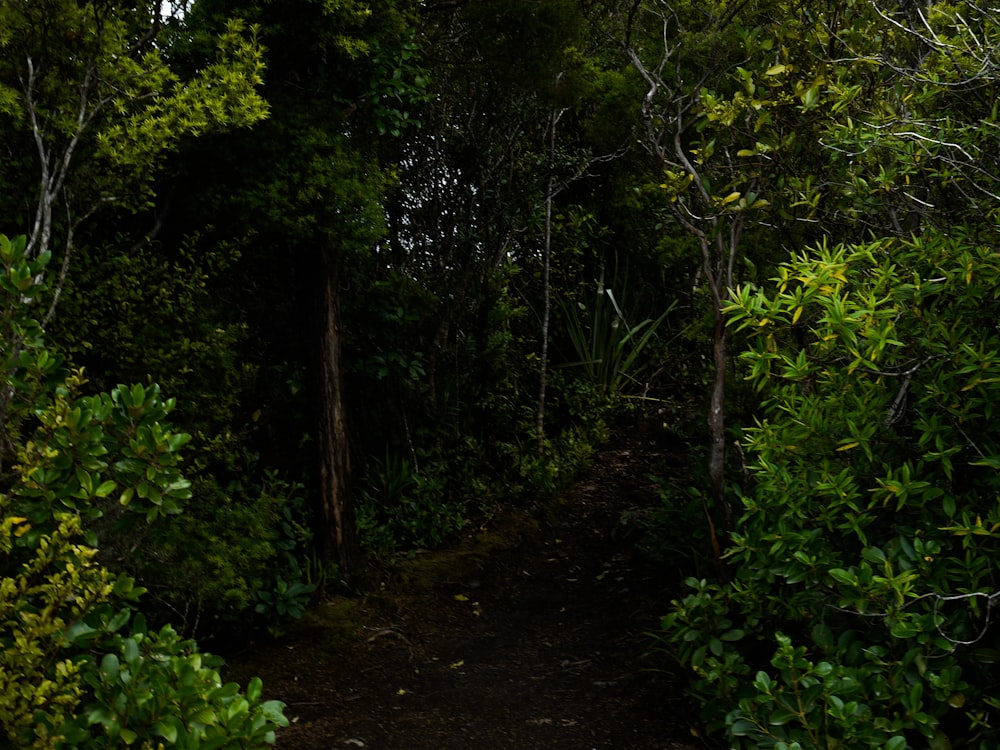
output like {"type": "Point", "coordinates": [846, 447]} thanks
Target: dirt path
{"type": "Point", "coordinates": [529, 636]}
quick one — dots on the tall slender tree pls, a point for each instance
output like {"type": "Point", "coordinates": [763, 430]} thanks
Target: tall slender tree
{"type": "Point", "coordinates": [90, 107]}
{"type": "Point", "coordinates": [304, 192]}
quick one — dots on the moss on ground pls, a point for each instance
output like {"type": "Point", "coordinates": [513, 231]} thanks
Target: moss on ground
{"type": "Point", "coordinates": [464, 558]}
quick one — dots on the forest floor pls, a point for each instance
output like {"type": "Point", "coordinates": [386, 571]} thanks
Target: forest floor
{"type": "Point", "coordinates": [529, 633]}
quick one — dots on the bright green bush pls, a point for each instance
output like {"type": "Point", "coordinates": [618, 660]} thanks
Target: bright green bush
{"type": "Point", "coordinates": [40, 600]}
{"type": "Point", "coordinates": [866, 563]}
{"type": "Point", "coordinates": [78, 667]}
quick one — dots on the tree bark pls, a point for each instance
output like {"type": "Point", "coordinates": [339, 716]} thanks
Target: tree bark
{"type": "Point", "coordinates": [718, 269]}
{"type": "Point", "coordinates": [546, 292]}
{"type": "Point", "coordinates": [717, 421]}
{"type": "Point", "coordinates": [337, 535]}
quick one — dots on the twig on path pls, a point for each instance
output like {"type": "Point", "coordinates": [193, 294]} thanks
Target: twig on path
{"type": "Point", "coordinates": [393, 632]}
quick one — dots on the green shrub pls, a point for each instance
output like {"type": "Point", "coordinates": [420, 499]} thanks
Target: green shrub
{"type": "Point", "coordinates": [159, 314]}
{"type": "Point", "coordinates": [79, 667]}
{"type": "Point", "coordinates": [402, 508]}
{"type": "Point", "coordinates": [865, 564]}
{"type": "Point", "coordinates": [238, 551]}
{"type": "Point", "coordinates": [609, 347]}
{"type": "Point", "coordinates": [44, 592]}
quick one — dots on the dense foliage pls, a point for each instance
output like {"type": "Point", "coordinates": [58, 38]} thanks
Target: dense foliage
{"type": "Point", "coordinates": [80, 667]}
{"type": "Point", "coordinates": [867, 547]}
{"type": "Point", "coordinates": [855, 609]}
{"type": "Point", "coordinates": [399, 262]}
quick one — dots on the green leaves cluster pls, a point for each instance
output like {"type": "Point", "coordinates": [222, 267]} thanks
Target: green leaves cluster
{"type": "Point", "coordinates": [154, 109]}
{"type": "Point", "coordinates": [155, 687]}
{"type": "Point", "coordinates": [80, 669]}
{"type": "Point", "coordinates": [93, 101]}
{"type": "Point", "coordinates": [78, 666]}
{"type": "Point", "coordinates": [88, 447]}
{"type": "Point", "coordinates": [19, 349]}
{"type": "Point", "coordinates": [869, 539]}
{"type": "Point", "coordinates": [42, 594]}
{"type": "Point", "coordinates": [610, 349]}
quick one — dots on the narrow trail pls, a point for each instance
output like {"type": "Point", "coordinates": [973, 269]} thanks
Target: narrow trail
{"type": "Point", "coordinates": [532, 636]}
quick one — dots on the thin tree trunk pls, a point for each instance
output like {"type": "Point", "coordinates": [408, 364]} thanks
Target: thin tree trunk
{"type": "Point", "coordinates": [718, 281]}
{"type": "Point", "coordinates": [546, 314]}
{"type": "Point", "coordinates": [717, 421]}
{"type": "Point", "coordinates": [546, 295]}
{"type": "Point", "coordinates": [665, 131]}
{"type": "Point", "coordinates": [337, 534]}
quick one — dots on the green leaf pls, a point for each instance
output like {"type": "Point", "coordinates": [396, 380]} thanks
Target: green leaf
{"type": "Point", "coordinates": [254, 689]}
{"type": "Point", "coordinates": [80, 634]}
{"type": "Point", "coordinates": [137, 396]}
{"type": "Point", "coordinates": [274, 711]}
{"type": "Point", "coordinates": [131, 651]}
{"type": "Point", "coordinates": [166, 730]}
{"type": "Point", "coordinates": [105, 488]}
{"type": "Point", "coordinates": [782, 716]}
{"type": "Point", "coordinates": [109, 667]}
{"type": "Point", "coordinates": [203, 716]}
{"type": "Point", "coordinates": [843, 576]}
{"type": "Point", "coordinates": [119, 620]}
{"type": "Point", "coordinates": [101, 715]}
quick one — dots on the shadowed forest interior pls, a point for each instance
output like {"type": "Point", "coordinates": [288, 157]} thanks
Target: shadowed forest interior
{"type": "Point", "coordinates": [304, 301]}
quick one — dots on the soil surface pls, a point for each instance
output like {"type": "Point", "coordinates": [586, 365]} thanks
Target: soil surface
{"type": "Point", "coordinates": [529, 633]}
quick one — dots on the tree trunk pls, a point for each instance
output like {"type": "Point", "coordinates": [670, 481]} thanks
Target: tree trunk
{"type": "Point", "coordinates": [546, 292]}
{"type": "Point", "coordinates": [717, 422]}
{"type": "Point", "coordinates": [718, 272]}
{"type": "Point", "coordinates": [336, 536]}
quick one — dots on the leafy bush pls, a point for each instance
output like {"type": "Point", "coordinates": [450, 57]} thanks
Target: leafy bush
{"type": "Point", "coordinates": [240, 549]}
{"type": "Point", "coordinates": [44, 590]}
{"type": "Point", "coordinates": [566, 455]}
{"type": "Point", "coordinates": [162, 314]}
{"type": "Point", "coordinates": [400, 507]}
{"type": "Point", "coordinates": [610, 348]}
{"type": "Point", "coordinates": [865, 564]}
{"type": "Point", "coordinates": [80, 670]}
{"type": "Point", "coordinates": [79, 667]}
{"type": "Point", "coordinates": [156, 686]}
